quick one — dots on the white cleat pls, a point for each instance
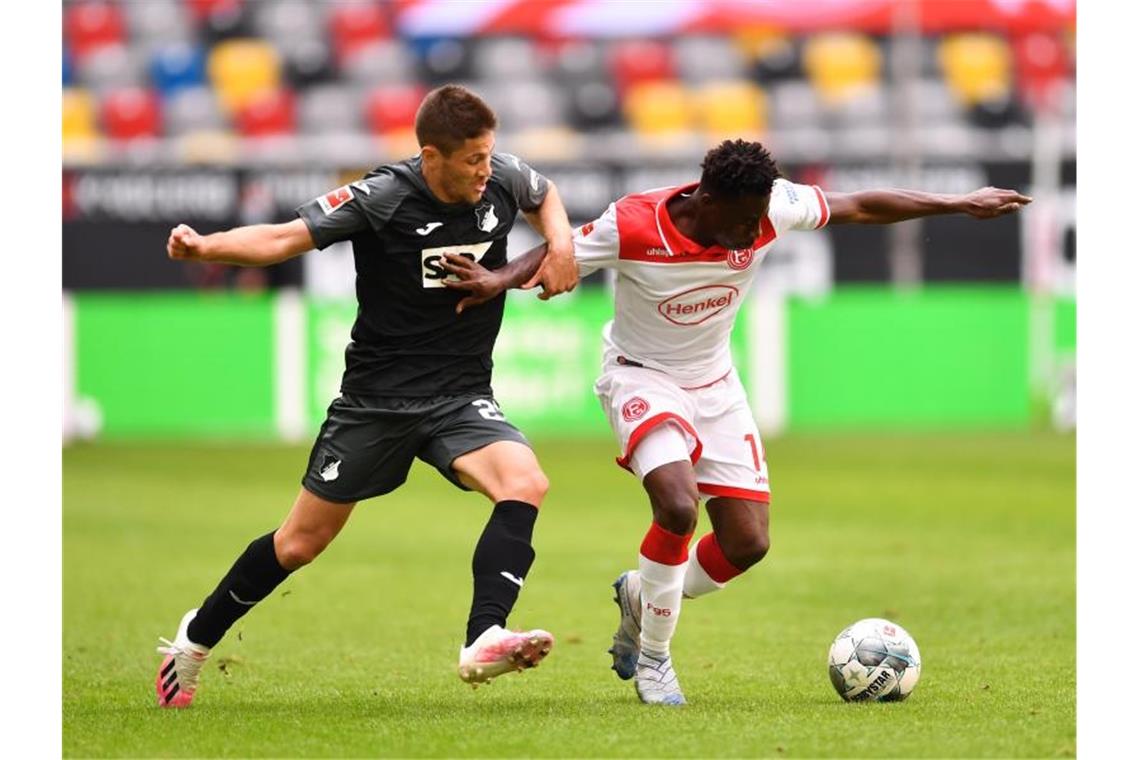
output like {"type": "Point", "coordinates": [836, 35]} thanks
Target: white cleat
{"type": "Point", "coordinates": [627, 640]}
{"type": "Point", "coordinates": [499, 651]}
{"type": "Point", "coordinates": [177, 678]}
{"type": "Point", "coordinates": [655, 681]}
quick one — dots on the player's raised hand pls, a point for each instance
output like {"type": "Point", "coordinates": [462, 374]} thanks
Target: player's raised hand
{"type": "Point", "coordinates": [481, 283]}
{"type": "Point", "coordinates": [989, 202]}
{"type": "Point", "coordinates": [558, 272]}
{"type": "Point", "coordinates": [184, 243]}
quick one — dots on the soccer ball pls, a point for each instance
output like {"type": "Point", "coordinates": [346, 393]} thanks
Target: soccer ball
{"type": "Point", "coordinates": [874, 660]}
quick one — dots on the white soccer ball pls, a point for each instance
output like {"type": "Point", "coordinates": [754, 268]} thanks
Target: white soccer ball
{"type": "Point", "coordinates": [874, 660]}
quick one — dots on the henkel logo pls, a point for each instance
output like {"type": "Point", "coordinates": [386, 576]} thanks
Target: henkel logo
{"type": "Point", "coordinates": [697, 305]}
{"type": "Point", "coordinates": [634, 409]}
{"type": "Point", "coordinates": [740, 258]}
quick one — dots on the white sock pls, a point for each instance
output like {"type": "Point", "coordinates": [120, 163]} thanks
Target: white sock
{"type": "Point", "coordinates": [661, 587]}
{"type": "Point", "coordinates": [697, 581]}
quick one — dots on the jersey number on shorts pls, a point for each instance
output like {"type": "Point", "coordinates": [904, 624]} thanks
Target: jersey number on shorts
{"type": "Point", "coordinates": [755, 454]}
{"type": "Point", "coordinates": [489, 410]}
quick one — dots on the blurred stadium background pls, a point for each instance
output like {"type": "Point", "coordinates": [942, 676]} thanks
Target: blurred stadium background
{"type": "Point", "coordinates": [225, 112]}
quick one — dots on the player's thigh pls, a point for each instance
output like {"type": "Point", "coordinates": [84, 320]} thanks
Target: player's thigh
{"type": "Point", "coordinates": [365, 447]}
{"type": "Point", "coordinates": [476, 447]}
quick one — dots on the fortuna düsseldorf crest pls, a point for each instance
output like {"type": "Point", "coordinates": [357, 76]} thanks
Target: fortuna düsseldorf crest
{"type": "Point", "coordinates": [740, 258]}
{"type": "Point", "coordinates": [634, 409]}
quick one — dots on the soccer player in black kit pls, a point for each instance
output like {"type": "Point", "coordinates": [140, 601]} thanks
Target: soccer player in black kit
{"type": "Point", "coordinates": [417, 380]}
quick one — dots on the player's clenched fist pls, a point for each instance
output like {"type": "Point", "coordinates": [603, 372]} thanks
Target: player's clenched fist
{"type": "Point", "coordinates": [184, 243]}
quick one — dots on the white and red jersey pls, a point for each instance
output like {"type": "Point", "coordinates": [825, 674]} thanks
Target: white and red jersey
{"type": "Point", "coordinates": [675, 300]}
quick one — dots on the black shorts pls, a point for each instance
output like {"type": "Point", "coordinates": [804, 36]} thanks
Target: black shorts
{"type": "Point", "coordinates": [366, 444]}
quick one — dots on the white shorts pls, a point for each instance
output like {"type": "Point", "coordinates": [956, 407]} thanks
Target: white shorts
{"type": "Point", "coordinates": [720, 434]}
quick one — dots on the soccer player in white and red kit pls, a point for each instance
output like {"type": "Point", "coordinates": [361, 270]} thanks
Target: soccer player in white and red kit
{"type": "Point", "coordinates": [685, 258]}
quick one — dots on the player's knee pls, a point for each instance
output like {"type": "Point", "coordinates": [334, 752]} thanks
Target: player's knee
{"type": "Point", "coordinates": [748, 551]}
{"type": "Point", "coordinates": [530, 486]}
{"type": "Point", "coordinates": [297, 550]}
{"type": "Point", "coordinates": [676, 512]}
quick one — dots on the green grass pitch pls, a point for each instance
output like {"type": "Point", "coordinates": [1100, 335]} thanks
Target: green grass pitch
{"type": "Point", "coordinates": [966, 540]}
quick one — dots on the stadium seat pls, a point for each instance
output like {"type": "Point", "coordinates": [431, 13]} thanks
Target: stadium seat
{"type": "Point", "coordinates": [68, 69]}
{"type": "Point", "coordinates": [224, 20]}
{"type": "Point", "coordinates": [524, 103]}
{"type": "Point", "coordinates": [771, 54]}
{"type": "Point", "coordinates": [131, 114]}
{"type": "Point", "coordinates": [731, 108]}
{"type": "Point", "coordinates": [268, 113]}
{"type": "Point", "coordinates": [840, 65]}
{"type": "Point", "coordinates": [578, 61]}
{"type": "Point", "coordinates": [329, 108]}
{"type": "Point", "coordinates": [637, 61]}
{"type": "Point", "coordinates": [112, 66]}
{"type": "Point", "coordinates": [308, 61]}
{"type": "Point", "coordinates": [177, 67]}
{"type": "Point", "coordinates": [241, 69]}
{"type": "Point", "coordinates": [708, 58]}
{"type": "Point", "coordinates": [158, 23]}
{"type": "Point", "coordinates": [1042, 63]}
{"type": "Point", "coordinates": [976, 67]}
{"type": "Point", "coordinates": [78, 110]}
{"type": "Point", "coordinates": [89, 26]}
{"type": "Point", "coordinates": [392, 107]}
{"type": "Point", "coordinates": [658, 107]}
{"type": "Point", "coordinates": [794, 104]}
{"type": "Point", "coordinates": [356, 25]}
{"type": "Point", "coordinates": [503, 58]}
{"type": "Point", "coordinates": [443, 60]}
{"type": "Point", "coordinates": [593, 104]}
{"type": "Point", "coordinates": [383, 62]}
{"type": "Point", "coordinates": [288, 21]}
{"type": "Point", "coordinates": [193, 109]}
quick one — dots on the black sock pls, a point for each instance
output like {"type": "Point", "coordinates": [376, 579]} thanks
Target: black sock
{"type": "Point", "coordinates": [253, 576]}
{"type": "Point", "coordinates": [503, 552]}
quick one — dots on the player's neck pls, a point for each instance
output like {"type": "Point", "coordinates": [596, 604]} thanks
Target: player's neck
{"type": "Point", "coordinates": [434, 182]}
{"type": "Point", "coordinates": [682, 211]}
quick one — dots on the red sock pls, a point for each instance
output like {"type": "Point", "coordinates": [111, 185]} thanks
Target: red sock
{"type": "Point", "coordinates": [712, 559]}
{"type": "Point", "coordinates": [664, 546]}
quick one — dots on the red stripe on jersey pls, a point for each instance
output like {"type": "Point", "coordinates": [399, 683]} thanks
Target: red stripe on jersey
{"type": "Point", "coordinates": [826, 212]}
{"type": "Point", "coordinates": [646, 231]}
{"type": "Point", "coordinates": [664, 546]}
{"type": "Point", "coordinates": [734, 493]}
{"type": "Point", "coordinates": [646, 427]}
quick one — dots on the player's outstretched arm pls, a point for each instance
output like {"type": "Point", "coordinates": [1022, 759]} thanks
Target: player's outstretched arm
{"type": "Point", "coordinates": [887, 206]}
{"type": "Point", "coordinates": [483, 284]}
{"type": "Point", "coordinates": [256, 245]}
{"type": "Point", "coordinates": [558, 272]}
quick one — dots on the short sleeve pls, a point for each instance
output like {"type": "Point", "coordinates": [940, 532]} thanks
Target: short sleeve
{"type": "Point", "coordinates": [596, 243]}
{"type": "Point", "coordinates": [336, 215]}
{"type": "Point", "coordinates": [528, 187]}
{"type": "Point", "coordinates": [797, 207]}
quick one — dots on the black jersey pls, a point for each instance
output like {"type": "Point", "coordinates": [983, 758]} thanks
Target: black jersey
{"type": "Point", "coordinates": [407, 339]}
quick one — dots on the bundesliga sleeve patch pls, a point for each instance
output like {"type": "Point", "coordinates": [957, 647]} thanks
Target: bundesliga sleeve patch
{"type": "Point", "coordinates": [330, 202]}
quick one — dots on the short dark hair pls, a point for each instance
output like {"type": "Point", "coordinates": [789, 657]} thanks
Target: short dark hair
{"type": "Point", "coordinates": [450, 115]}
{"type": "Point", "coordinates": [736, 168]}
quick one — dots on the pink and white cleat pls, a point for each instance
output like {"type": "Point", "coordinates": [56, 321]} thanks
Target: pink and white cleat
{"type": "Point", "coordinates": [499, 651]}
{"type": "Point", "coordinates": [177, 678]}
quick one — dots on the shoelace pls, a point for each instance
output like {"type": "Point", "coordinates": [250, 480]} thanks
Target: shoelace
{"type": "Point", "coordinates": [188, 664]}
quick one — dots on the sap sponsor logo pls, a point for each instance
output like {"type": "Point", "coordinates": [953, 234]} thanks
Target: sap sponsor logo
{"type": "Point", "coordinates": [740, 258]}
{"type": "Point", "coordinates": [634, 409]}
{"type": "Point", "coordinates": [698, 305]}
{"type": "Point", "coordinates": [330, 202]}
{"type": "Point", "coordinates": [658, 252]}
{"type": "Point", "coordinates": [433, 272]}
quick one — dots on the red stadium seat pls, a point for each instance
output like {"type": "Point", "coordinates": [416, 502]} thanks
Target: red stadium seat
{"type": "Point", "coordinates": [640, 61]}
{"type": "Point", "coordinates": [1041, 61]}
{"type": "Point", "coordinates": [202, 9]}
{"type": "Point", "coordinates": [269, 113]}
{"type": "Point", "coordinates": [354, 25]}
{"type": "Point", "coordinates": [132, 113]}
{"type": "Point", "coordinates": [393, 107]}
{"type": "Point", "coordinates": [92, 25]}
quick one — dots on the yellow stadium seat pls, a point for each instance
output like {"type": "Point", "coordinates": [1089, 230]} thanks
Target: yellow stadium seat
{"type": "Point", "coordinates": [239, 69]}
{"type": "Point", "coordinates": [732, 108]}
{"type": "Point", "coordinates": [977, 66]}
{"type": "Point", "coordinates": [840, 65]}
{"type": "Point", "coordinates": [78, 114]}
{"type": "Point", "coordinates": [658, 107]}
{"type": "Point", "coordinates": [760, 42]}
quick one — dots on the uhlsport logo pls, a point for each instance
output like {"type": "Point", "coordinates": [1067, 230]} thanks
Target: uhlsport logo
{"type": "Point", "coordinates": [740, 258]}
{"type": "Point", "coordinates": [697, 305]}
{"type": "Point", "coordinates": [433, 272]}
{"type": "Point", "coordinates": [634, 409]}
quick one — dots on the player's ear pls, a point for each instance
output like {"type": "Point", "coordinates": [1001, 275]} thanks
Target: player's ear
{"type": "Point", "coordinates": [431, 155]}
